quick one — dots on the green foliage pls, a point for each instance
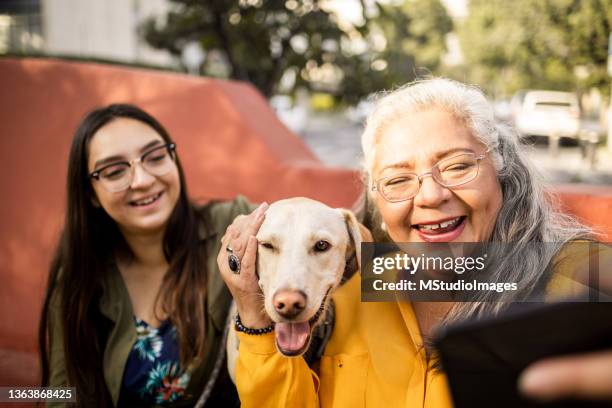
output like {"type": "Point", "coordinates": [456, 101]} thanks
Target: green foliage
{"type": "Point", "coordinates": [261, 40]}
{"type": "Point", "coordinates": [414, 32]}
{"type": "Point", "coordinates": [253, 39]}
{"type": "Point", "coordinates": [537, 44]}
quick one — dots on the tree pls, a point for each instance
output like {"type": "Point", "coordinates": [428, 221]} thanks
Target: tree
{"type": "Point", "coordinates": [537, 43]}
{"type": "Point", "coordinates": [260, 41]}
{"type": "Point", "coordinates": [414, 34]}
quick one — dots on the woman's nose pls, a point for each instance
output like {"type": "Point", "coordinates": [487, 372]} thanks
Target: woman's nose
{"type": "Point", "coordinates": [431, 194]}
{"type": "Point", "coordinates": [140, 177]}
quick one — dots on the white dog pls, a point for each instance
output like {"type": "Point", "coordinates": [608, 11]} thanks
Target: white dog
{"type": "Point", "coordinates": [305, 248]}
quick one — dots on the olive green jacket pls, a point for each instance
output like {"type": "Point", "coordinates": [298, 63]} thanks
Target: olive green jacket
{"type": "Point", "coordinates": [116, 306]}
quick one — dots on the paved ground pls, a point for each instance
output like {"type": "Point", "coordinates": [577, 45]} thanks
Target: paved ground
{"type": "Point", "coordinates": [336, 141]}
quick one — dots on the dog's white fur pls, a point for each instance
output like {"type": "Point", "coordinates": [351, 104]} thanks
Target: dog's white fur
{"type": "Point", "coordinates": [292, 228]}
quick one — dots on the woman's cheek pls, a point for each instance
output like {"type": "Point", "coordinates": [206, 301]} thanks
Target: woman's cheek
{"type": "Point", "coordinates": [396, 217]}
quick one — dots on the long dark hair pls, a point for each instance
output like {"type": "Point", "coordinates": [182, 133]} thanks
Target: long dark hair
{"type": "Point", "coordinates": [88, 242]}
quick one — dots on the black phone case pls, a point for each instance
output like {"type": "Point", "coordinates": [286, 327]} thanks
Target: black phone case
{"type": "Point", "coordinates": [483, 359]}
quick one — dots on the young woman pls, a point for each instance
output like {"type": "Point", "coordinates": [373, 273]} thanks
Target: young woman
{"type": "Point", "coordinates": [135, 309]}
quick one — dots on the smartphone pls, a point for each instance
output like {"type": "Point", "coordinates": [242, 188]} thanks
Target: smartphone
{"type": "Point", "coordinates": [484, 358]}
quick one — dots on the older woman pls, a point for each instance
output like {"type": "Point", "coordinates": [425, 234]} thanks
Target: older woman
{"type": "Point", "coordinates": [376, 355]}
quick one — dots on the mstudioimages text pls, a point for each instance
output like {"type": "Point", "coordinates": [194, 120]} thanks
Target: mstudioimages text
{"type": "Point", "coordinates": [440, 285]}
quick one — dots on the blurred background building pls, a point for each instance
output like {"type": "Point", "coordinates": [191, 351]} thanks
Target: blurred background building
{"type": "Point", "coordinates": [106, 30]}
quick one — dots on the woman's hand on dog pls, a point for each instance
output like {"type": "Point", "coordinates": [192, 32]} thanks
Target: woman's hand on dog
{"type": "Point", "coordinates": [244, 287]}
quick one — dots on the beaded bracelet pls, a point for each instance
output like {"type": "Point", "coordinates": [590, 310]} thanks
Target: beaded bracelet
{"type": "Point", "coordinates": [242, 328]}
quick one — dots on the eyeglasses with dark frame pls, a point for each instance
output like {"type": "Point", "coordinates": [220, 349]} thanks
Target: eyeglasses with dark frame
{"type": "Point", "coordinates": [450, 172]}
{"type": "Point", "coordinates": [118, 176]}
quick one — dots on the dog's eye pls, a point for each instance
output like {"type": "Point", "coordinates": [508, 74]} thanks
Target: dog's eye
{"type": "Point", "coordinates": [321, 246]}
{"type": "Point", "coordinates": [267, 245]}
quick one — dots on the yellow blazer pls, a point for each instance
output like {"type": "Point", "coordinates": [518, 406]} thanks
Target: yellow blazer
{"type": "Point", "coordinates": [373, 359]}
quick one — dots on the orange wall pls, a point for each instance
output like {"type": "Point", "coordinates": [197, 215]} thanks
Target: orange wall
{"type": "Point", "coordinates": [590, 204]}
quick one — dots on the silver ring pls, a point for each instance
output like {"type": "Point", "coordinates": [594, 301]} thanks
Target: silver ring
{"type": "Point", "coordinates": [229, 249]}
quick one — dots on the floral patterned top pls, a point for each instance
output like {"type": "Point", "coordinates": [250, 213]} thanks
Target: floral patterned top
{"type": "Point", "coordinates": [153, 375]}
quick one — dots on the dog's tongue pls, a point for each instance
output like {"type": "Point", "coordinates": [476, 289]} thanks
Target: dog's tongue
{"type": "Point", "coordinates": [292, 336]}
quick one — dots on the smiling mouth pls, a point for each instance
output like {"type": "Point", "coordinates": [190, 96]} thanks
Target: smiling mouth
{"type": "Point", "coordinates": [441, 228]}
{"type": "Point", "coordinates": [146, 201]}
{"type": "Point", "coordinates": [293, 338]}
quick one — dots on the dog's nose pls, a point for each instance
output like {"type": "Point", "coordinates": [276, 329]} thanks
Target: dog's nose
{"type": "Point", "coordinates": [289, 303]}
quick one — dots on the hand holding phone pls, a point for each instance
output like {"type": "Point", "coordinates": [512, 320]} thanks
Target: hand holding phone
{"type": "Point", "coordinates": [484, 359]}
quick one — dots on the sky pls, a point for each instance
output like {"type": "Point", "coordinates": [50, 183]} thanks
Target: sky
{"type": "Point", "coordinates": [350, 10]}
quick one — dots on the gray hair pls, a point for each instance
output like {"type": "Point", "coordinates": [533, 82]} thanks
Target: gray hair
{"type": "Point", "coordinates": [527, 215]}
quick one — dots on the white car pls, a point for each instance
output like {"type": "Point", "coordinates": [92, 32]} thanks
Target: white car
{"type": "Point", "coordinates": [544, 113]}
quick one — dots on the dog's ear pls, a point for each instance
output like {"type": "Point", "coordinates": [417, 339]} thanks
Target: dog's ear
{"type": "Point", "coordinates": [353, 252]}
